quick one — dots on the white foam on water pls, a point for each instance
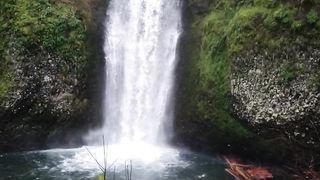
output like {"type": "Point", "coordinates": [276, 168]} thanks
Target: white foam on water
{"type": "Point", "coordinates": [146, 157]}
{"type": "Point", "coordinates": [141, 38]}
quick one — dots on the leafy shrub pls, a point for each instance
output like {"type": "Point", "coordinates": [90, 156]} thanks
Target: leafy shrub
{"type": "Point", "coordinates": [49, 25]}
{"type": "Point", "coordinates": [296, 25]}
{"type": "Point", "coordinates": [283, 15]}
{"type": "Point", "coordinates": [312, 17]}
{"type": "Point", "coordinates": [241, 26]}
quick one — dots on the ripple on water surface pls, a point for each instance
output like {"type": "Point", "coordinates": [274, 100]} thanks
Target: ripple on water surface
{"type": "Point", "coordinates": [148, 163]}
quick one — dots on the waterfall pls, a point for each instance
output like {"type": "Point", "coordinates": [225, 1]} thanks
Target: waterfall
{"type": "Point", "coordinates": [141, 39]}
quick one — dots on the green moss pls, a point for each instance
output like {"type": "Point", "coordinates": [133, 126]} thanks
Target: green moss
{"type": "Point", "coordinates": [213, 32]}
{"type": "Point", "coordinates": [6, 81]}
{"type": "Point", "coordinates": [5, 84]}
{"type": "Point", "coordinates": [283, 15]}
{"type": "Point", "coordinates": [266, 3]}
{"type": "Point", "coordinates": [288, 74]}
{"type": "Point", "coordinates": [43, 24]}
{"type": "Point", "coordinates": [211, 97]}
{"type": "Point", "coordinates": [33, 26]}
{"type": "Point", "coordinates": [6, 14]}
{"type": "Point", "coordinates": [312, 17]}
{"type": "Point", "coordinates": [297, 25]}
{"type": "Point", "coordinates": [291, 72]}
{"type": "Point", "coordinates": [241, 27]}
{"type": "Point", "coordinates": [49, 25]}
{"type": "Point", "coordinates": [229, 29]}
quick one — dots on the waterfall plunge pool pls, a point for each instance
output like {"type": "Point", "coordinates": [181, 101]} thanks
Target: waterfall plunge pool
{"type": "Point", "coordinates": [148, 163]}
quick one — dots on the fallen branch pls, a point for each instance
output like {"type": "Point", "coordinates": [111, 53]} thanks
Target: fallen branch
{"type": "Point", "coordinates": [246, 172]}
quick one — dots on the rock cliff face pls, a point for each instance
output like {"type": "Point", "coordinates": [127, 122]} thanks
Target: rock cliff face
{"type": "Point", "coordinates": [249, 78]}
{"type": "Point", "coordinates": [278, 89]}
{"type": "Point", "coordinates": [50, 73]}
{"type": "Point", "coordinates": [277, 94]}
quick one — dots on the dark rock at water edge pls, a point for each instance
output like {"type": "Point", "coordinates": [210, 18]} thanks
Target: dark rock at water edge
{"type": "Point", "coordinates": [52, 98]}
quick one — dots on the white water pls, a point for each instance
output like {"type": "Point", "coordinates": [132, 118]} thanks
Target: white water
{"type": "Point", "coordinates": [140, 47]}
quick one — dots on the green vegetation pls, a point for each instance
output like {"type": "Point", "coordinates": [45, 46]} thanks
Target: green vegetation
{"type": "Point", "coordinates": [49, 25]}
{"type": "Point", "coordinates": [35, 26]}
{"type": "Point", "coordinates": [229, 29]}
{"type": "Point", "coordinates": [283, 15]}
{"type": "Point", "coordinates": [4, 86]}
{"type": "Point", "coordinates": [6, 15]}
{"type": "Point", "coordinates": [43, 24]}
{"type": "Point", "coordinates": [312, 17]}
{"type": "Point", "coordinates": [291, 71]}
{"type": "Point", "coordinates": [247, 23]}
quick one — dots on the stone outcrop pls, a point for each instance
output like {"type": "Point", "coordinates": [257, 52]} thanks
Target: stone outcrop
{"type": "Point", "coordinates": [51, 78]}
{"type": "Point", "coordinates": [276, 89]}
{"type": "Point", "coordinates": [248, 79]}
{"type": "Point", "coordinates": [278, 94]}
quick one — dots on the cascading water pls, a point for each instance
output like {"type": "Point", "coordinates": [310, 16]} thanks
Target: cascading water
{"type": "Point", "coordinates": [140, 47]}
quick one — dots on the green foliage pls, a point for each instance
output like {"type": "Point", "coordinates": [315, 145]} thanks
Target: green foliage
{"type": "Point", "coordinates": [42, 25]}
{"type": "Point", "coordinates": [291, 71]}
{"type": "Point", "coordinates": [241, 26]}
{"type": "Point", "coordinates": [229, 29]}
{"type": "Point", "coordinates": [312, 17]}
{"type": "Point", "coordinates": [211, 100]}
{"type": "Point", "coordinates": [6, 14]}
{"type": "Point", "coordinates": [31, 26]}
{"type": "Point", "coordinates": [283, 15]}
{"type": "Point", "coordinates": [5, 76]}
{"type": "Point", "coordinates": [297, 25]}
{"type": "Point", "coordinates": [289, 74]}
{"type": "Point", "coordinates": [48, 25]}
{"type": "Point", "coordinates": [213, 30]}
{"type": "Point", "coordinates": [266, 3]}
{"type": "Point", "coordinates": [5, 83]}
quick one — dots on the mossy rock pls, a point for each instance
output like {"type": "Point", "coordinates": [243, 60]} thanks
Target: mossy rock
{"type": "Point", "coordinates": [231, 29]}
{"type": "Point", "coordinates": [44, 54]}
{"type": "Point", "coordinates": [312, 17]}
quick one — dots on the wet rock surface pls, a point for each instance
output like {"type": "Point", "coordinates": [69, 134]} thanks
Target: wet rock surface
{"type": "Point", "coordinates": [267, 93]}
{"type": "Point", "coordinates": [45, 96]}
{"type": "Point", "coordinates": [248, 74]}
{"type": "Point", "coordinates": [51, 97]}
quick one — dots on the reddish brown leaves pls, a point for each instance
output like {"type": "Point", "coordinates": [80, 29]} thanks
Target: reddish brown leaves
{"type": "Point", "coordinates": [259, 173]}
{"type": "Point", "coordinates": [247, 172]}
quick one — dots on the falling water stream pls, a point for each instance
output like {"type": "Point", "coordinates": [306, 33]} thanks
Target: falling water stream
{"type": "Point", "coordinates": [141, 38]}
{"type": "Point", "coordinates": [140, 47]}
